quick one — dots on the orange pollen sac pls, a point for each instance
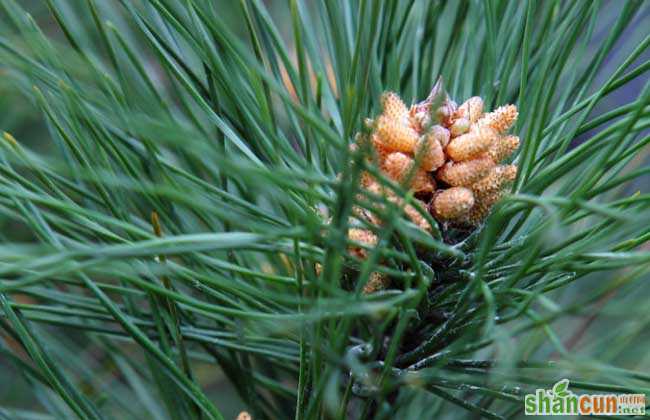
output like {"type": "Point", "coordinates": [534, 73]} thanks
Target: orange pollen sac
{"type": "Point", "coordinates": [452, 203]}
{"type": "Point", "coordinates": [498, 177]}
{"type": "Point", "coordinates": [501, 119]}
{"type": "Point", "coordinates": [465, 173]}
{"type": "Point", "coordinates": [472, 144]}
{"type": "Point", "coordinates": [503, 148]}
{"type": "Point", "coordinates": [460, 126]}
{"type": "Point", "coordinates": [397, 165]}
{"type": "Point", "coordinates": [396, 135]}
{"type": "Point", "coordinates": [393, 106]}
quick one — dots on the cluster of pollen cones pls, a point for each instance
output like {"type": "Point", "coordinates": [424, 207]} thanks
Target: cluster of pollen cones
{"type": "Point", "coordinates": [449, 156]}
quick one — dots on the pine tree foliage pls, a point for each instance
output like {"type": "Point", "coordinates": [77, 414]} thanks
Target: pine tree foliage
{"type": "Point", "coordinates": [174, 210]}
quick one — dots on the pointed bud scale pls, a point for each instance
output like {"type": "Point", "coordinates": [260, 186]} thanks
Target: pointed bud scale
{"type": "Point", "coordinates": [501, 119]}
{"type": "Point", "coordinates": [465, 173]}
{"type": "Point", "coordinates": [472, 144]}
{"type": "Point", "coordinates": [452, 203]}
{"type": "Point", "coordinates": [471, 109]}
{"type": "Point", "coordinates": [430, 153]}
{"type": "Point", "coordinates": [503, 148]}
{"type": "Point", "coordinates": [459, 127]}
{"type": "Point", "coordinates": [437, 92]}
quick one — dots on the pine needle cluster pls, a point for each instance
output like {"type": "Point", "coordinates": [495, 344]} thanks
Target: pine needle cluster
{"type": "Point", "coordinates": [186, 232]}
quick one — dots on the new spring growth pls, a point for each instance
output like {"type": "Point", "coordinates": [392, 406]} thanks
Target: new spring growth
{"type": "Point", "coordinates": [449, 156]}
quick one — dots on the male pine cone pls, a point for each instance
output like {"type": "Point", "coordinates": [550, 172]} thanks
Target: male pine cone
{"type": "Point", "coordinates": [450, 157]}
{"type": "Point", "coordinates": [461, 147]}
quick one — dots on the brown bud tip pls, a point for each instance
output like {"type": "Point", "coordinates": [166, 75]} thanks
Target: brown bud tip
{"type": "Point", "coordinates": [471, 109]}
{"type": "Point", "coordinates": [452, 203]}
{"type": "Point", "coordinates": [465, 173]}
{"type": "Point", "coordinates": [503, 148]}
{"type": "Point", "coordinates": [459, 127]}
{"type": "Point", "coordinates": [155, 223]}
{"type": "Point", "coordinates": [430, 153]}
{"type": "Point", "coordinates": [472, 144]}
{"type": "Point", "coordinates": [376, 283]}
{"type": "Point", "coordinates": [500, 119]}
